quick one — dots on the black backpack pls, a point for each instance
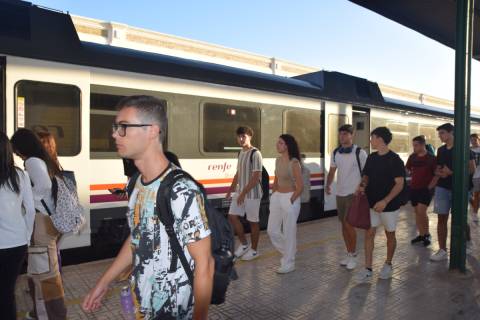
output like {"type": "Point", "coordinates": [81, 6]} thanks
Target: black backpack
{"type": "Point", "coordinates": [265, 184]}
{"type": "Point", "coordinates": [222, 237]}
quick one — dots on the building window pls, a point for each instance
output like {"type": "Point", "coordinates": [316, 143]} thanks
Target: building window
{"type": "Point", "coordinates": [305, 126]}
{"type": "Point", "coordinates": [335, 121]}
{"type": "Point", "coordinates": [53, 108]}
{"type": "Point", "coordinates": [220, 122]}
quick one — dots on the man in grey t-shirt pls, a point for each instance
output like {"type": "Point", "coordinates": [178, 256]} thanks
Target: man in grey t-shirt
{"type": "Point", "coordinates": [247, 194]}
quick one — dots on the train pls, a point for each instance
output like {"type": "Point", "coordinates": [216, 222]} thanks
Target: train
{"type": "Point", "coordinates": [51, 81]}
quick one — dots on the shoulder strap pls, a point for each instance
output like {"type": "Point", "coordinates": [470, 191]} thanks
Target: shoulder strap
{"type": "Point", "coordinates": [163, 210]}
{"type": "Point", "coordinates": [335, 153]}
{"type": "Point", "coordinates": [251, 154]}
{"type": "Point", "coordinates": [132, 182]}
{"type": "Point", "coordinates": [46, 207]}
{"type": "Point", "coordinates": [357, 155]}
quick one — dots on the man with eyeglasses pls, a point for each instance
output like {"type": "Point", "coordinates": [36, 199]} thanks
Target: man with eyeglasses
{"type": "Point", "coordinates": [158, 291]}
{"type": "Point", "coordinates": [348, 160]}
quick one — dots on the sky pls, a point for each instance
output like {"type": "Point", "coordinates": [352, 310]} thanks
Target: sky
{"type": "Point", "coordinates": [334, 35]}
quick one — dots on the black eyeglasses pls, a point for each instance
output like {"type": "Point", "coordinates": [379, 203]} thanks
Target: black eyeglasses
{"type": "Point", "coordinates": [121, 128]}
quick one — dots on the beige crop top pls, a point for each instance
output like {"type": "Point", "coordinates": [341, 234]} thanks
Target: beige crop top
{"type": "Point", "coordinates": [284, 172]}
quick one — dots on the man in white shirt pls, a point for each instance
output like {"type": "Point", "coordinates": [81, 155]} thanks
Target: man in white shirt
{"type": "Point", "coordinates": [348, 160]}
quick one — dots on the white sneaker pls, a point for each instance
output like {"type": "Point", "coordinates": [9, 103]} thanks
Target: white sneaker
{"type": "Point", "coordinates": [250, 255]}
{"type": "Point", "coordinates": [439, 255]}
{"type": "Point", "coordinates": [241, 250]}
{"type": "Point", "coordinates": [287, 269]}
{"type": "Point", "coordinates": [386, 272]}
{"type": "Point", "coordinates": [352, 262]}
{"type": "Point", "coordinates": [364, 276]}
{"type": "Point", "coordinates": [345, 260]}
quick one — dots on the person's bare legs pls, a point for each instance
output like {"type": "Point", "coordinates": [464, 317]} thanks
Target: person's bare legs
{"type": "Point", "coordinates": [391, 245]}
{"type": "Point", "coordinates": [254, 234]}
{"type": "Point", "coordinates": [442, 231]}
{"type": "Point", "coordinates": [369, 245]}
{"type": "Point", "coordinates": [349, 237]}
{"type": "Point", "coordinates": [421, 218]}
{"type": "Point", "coordinates": [475, 201]}
{"type": "Point", "coordinates": [238, 227]}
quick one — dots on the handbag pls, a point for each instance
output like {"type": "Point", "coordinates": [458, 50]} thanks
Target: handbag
{"type": "Point", "coordinates": [38, 260]}
{"type": "Point", "coordinates": [358, 215]}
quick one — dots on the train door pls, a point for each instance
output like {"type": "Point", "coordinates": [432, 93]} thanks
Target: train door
{"type": "Point", "coordinates": [361, 125]}
{"type": "Point", "coordinates": [336, 114]}
{"type": "Point", "coordinates": [3, 65]}
{"type": "Point", "coordinates": [54, 98]}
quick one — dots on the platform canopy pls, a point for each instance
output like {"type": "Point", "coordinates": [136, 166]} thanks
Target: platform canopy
{"type": "Point", "coordinates": [435, 19]}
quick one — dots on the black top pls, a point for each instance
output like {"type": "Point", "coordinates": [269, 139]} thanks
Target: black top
{"type": "Point", "coordinates": [445, 158]}
{"type": "Point", "coordinates": [382, 171]}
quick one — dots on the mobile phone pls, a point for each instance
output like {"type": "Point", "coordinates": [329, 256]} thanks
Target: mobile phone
{"type": "Point", "coordinates": [117, 191]}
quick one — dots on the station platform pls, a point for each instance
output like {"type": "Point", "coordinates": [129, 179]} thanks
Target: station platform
{"type": "Point", "coordinates": [319, 288]}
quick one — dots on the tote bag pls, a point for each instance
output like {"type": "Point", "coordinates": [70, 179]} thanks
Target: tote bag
{"type": "Point", "coordinates": [358, 214]}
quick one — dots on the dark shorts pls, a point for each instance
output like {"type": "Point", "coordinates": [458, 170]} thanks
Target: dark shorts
{"type": "Point", "coordinates": [423, 196]}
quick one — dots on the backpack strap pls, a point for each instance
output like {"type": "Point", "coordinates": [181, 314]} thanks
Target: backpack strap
{"type": "Point", "coordinates": [357, 155]}
{"type": "Point", "coordinates": [132, 182]}
{"type": "Point", "coordinates": [335, 151]}
{"type": "Point", "coordinates": [46, 207]}
{"type": "Point", "coordinates": [163, 210]}
{"type": "Point", "coordinates": [251, 155]}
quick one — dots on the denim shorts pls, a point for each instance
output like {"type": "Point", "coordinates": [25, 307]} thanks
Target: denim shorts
{"type": "Point", "coordinates": [442, 201]}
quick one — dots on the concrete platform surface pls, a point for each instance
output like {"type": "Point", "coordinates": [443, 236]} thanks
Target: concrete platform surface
{"type": "Point", "coordinates": [319, 288]}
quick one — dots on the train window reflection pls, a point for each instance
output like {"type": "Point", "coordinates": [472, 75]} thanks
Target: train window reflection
{"type": "Point", "coordinates": [220, 122]}
{"type": "Point", "coordinates": [304, 125]}
{"type": "Point", "coordinates": [50, 107]}
{"type": "Point", "coordinates": [335, 121]}
{"type": "Point", "coordinates": [102, 115]}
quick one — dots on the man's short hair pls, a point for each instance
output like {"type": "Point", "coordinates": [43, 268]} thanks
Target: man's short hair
{"type": "Point", "coordinates": [384, 133]}
{"type": "Point", "coordinates": [150, 109]}
{"type": "Point", "coordinates": [245, 130]}
{"type": "Point", "coordinates": [346, 128]}
{"type": "Point", "coordinates": [420, 139]}
{"type": "Point", "coordinates": [474, 135]}
{"type": "Point", "coordinates": [446, 126]}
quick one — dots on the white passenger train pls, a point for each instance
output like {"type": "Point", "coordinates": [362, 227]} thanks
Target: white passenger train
{"type": "Point", "coordinates": [51, 81]}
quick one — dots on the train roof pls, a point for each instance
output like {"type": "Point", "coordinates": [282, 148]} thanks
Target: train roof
{"type": "Point", "coordinates": [35, 32]}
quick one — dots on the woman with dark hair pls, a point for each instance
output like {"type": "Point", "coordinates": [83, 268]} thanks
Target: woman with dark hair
{"type": "Point", "coordinates": [285, 202]}
{"type": "Point", "coordinates": [17, 214]}
{"type": "Point", "coordinates": [48, 141]}
{"type": "Point", "coordinates": [44, 280]}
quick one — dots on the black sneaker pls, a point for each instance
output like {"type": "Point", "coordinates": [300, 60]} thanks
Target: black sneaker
{"type": "Point", "coordinates": [426, 240]}
{"type": "Point", "coordinates": [417, 239]}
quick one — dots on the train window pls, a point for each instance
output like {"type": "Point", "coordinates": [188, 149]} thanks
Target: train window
{"type": "Point", "coordinates": [51, 107]}
{"type": "Point", "coordinates": [401, 139]}
{"type": "Point", "coordinates": [431, 135]}
{"type": "Point", "coordinates": [220, 122]}
{"type": "Point", "coordinates": [305, 126]}
{"type": "Point", "coordinates": [335, 121]}
{"type": "Point", "coordinates": [102, 115]}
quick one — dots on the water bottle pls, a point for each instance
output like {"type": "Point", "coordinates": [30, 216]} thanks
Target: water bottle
{"type": "Point", "coordinates": [126, 300]}
{"type": "Point", "coordinates": [224, 258]}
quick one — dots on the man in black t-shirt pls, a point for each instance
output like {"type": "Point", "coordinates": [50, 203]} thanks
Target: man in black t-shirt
{"type": "Point", "coordinates": [382, 181]}
{"type": "Point", "coordinates": [443, 190]}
